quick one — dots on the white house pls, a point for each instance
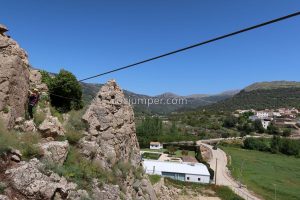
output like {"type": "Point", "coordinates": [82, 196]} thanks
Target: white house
{"type": "Point", "coordinates": [262, 114]}
{"type": "Point", "coordinates": [265, 123]}
{"type": "Point", "coordinates": [156, 145]}
{"type": "Point", "coordinates": [190, 172]}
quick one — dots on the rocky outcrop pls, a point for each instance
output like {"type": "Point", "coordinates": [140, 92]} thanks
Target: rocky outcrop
{"type": "Point", "coordinates": [32, 180]}
{"type": "Point", "coordinates": [14, 79]}
{"type": "Point", "coordinates": [111, 141]}
{"type": "Point", "coordinates": [36, 80]}
{"type": "Point", "coordinates": [25, 125]}
{"type": "Point", "coordinates": [54, 152]}
{"type": "Point", "coordinates": [111, 128]}
{"type": "Point", "coordinates": [51, 127]}
{"type": "Point", "coordinates": [166, 192]}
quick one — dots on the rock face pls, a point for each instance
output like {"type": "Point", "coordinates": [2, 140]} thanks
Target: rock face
{"type": "Point", "coordinates": [55, 152]}
{"type": "Point", "coordinates": [25, 125]}
{"type": "Point", "coordinates": [33, 181]}
{"type": "Point", "coordinates": [111, 128]}
{"type": "Point", "coordinates": [36, 81]}
{"type": "Point", "coordinates": [51, 127]}
{"type": "Point", "coordinates": [14, 80]}
{"type": "Point", "coordinates": [111, 141]}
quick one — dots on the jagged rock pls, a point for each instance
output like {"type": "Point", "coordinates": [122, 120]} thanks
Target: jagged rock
{"type": "Point", "coordinates": [36, 81]}
{"type": "Point", "coordinates": [3, 29]}
{"type": "Point", "coordinates": [110, 119]}
{"type": "Point", "coordinates": [55, 152]}
{"type": "Point", "coordinates": [33, 181]}
{"type": "Point", "coordinates": [111, 139]}
{"type": "Point", "coordinates": [3, 197]}
{"type": "Point", "coordinates": [166, 193]}
{"type": "Point", "coordinates": [51, 127]}
{"type": "Point", "coordinates": [14, 80]}
{"type": "Point", "coordinates": [15, 158]}
{"type": "Point", "coordinates": [25, 125]}
{"type": "Point", "coordinates": [107, 192]}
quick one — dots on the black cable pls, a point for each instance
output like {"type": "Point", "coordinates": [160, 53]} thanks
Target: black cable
{"type": "Point", "coordinates": [196, 45]}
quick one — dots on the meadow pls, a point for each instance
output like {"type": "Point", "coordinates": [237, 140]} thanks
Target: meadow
{"type": "Point", "coordinates": [266, 174]}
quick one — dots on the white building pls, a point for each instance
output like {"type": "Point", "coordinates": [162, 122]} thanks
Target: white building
{"type": "Point", "coordinates": [156, 145]}
{"type": "Point", "coordinates": [190, 172]}
{"type": "Point", "coordinates": [262, 114]}
{"type": "Point", "coordinates": [265, 123]}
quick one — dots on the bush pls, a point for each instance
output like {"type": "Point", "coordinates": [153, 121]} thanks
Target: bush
{"type": "Point", "coordinates": [39, 117]}
{"type": "Point", "coordinates": [259, 144]}
{"type": "Point", "coordinates": [80, 170]}
{"type": "Point", "coordinates": [154, 179]}
{"type": "Point", "coordinates": [2, 187]}
{"type": "Point", "coordinates": [225, 193]}
{"type": "Point", "coordinates": [75, 122]}
{"type": "Point", "coordinates": [73, 136]}
{"type": "Point", "coordinates": [65, 85]}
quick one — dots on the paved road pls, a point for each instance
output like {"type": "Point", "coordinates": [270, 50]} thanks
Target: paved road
{"type": "Point", "coordinates": [223, 177]}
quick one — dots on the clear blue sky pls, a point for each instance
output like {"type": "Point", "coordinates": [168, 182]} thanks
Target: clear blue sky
{"type": "Point", "coordinates": [90, 37]}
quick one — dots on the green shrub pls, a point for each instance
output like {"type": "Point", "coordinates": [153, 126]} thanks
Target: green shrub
{"type": "Point", "coordinates": [154, 179]}
{"type": "Point", "coordinates": [259, 144]}
{"type": "Point", "coordinates": [65, 85]}
{"type": "Point", "coordinates": [56, 113]}
{"type": "Point", "coordinates": [73, 136]}
{"type": "Point", "coordinates": [5, 109]}
{"type": "Point", "coordinates": [7, 140]}
{"type": "Point", "coordinates": [75, 122]}
{"type": "Point", "coordinates": [2, 187]}
{"type": "Point", "coordinates": [28, 145]}
{"type": "Point", "coordinates": [39, 117]}
{"type": "Point", "coordinates": [139, 172]}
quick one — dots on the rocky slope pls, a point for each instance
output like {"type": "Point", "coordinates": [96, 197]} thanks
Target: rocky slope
{"type": "Point", "coordinates": [14, 79]}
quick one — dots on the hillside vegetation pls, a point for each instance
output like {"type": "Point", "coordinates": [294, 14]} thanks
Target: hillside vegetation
{"type": "Point", "coordinates": [260, 99]}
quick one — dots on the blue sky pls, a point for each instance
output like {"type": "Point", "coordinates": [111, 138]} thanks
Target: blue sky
{"type": "Point", "coordinates": [90, 37]}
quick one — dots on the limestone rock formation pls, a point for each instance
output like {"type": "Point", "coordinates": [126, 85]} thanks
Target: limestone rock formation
{"type": "Point", "coordinates": [111, 141]}
{"type": "Point", "coordinates": [54, 151]}
{"type": "Point", "coordinates": [36, 81]}
{"type": "Point", "coordinates": [51, 127]}
{"type": "Point", "coordinates": [25, 125]}
{"type": "Point", "coordinates": [14, 79]}
{"type": "Point", "coordinates": [32, 180]}
{"type": "Point", "coordinates": [111, 128]}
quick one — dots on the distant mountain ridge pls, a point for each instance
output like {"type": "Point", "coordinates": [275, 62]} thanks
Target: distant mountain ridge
{"type": "Point", "coordinates": [261, 95]}
{"type": "Point", "coordinates": [193, 101]}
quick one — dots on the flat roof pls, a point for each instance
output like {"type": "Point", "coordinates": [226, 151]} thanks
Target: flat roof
{"type": "Point", "coordinates": [154, 143]}
{"type": "Point", "coordinates": [175, 167]}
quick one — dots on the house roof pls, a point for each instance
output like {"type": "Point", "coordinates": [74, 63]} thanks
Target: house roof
{"type": "Point", "coordinates": [184, 168]}
{"type": "Point", "coordinates": [154, 143]}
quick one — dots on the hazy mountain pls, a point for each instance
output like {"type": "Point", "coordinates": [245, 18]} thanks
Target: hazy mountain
{"type": "Point", "coordinates": [145, 103]}
{"type": "Point", "coordinates": [262, 95]}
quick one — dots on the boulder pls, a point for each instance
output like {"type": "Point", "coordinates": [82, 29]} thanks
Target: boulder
{"type": "Point", "coordinates": [32, 180]}
{"type": "Point", "coordinates": [54, 151]}
{"type": "Point", "coordinates": [14, 80]}
{"type": "Point", "coordinates": [110, 120]}
{"type": "Point", "coordinates": [3, 197]}
{"type": "Point", "coordinates": [51, 127]}
{"type": "Point", "coordinates": [25, 125]}
{"type": "Point", "coordinates": [36, 81]}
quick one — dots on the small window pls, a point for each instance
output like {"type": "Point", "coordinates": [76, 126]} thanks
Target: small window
{"type": "Point", "coordinates": [199, 179]}
{"type": "Point", "coordinates": [187, 178]}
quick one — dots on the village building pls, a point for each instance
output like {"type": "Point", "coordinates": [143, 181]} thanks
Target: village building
{"type": "Point", "coordinates": [156, 145]}
{"type": "Point", "coordinates": [189, 172]}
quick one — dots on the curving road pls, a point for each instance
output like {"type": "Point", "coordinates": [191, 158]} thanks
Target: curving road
{"type": "Point", "coordinates": [223, 176]}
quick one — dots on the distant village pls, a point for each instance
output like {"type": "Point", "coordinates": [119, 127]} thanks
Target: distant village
{"type": "Point", "coordinates": [282, 117]}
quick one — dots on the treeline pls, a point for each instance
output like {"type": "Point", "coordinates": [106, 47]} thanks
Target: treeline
{"type": "Point", "coordinates": [152, 129]}
{"type": "Point", "coordinates": [259, 99]}
{"type": "Point", "coordinates": [275, 145]}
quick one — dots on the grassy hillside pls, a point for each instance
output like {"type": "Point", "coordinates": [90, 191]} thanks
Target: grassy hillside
{"type": "Point", "coordinates": [260, 99]}
{"type": "Point", "coordinates": [262, 172]}
{"type": "Point", "coordinates": [272, 85]}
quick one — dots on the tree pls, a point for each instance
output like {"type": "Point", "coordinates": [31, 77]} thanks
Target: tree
{"type": "Point", "coordinates": [173, 129]}
{"type": "Point", "coordinates": [230, 121]}
{"type": "Point", "coordinates": [286, 132]}
{"type": "Point", "coordinates": [65, 92]}
{"type": "Point", "coordinates": [258, 127]}
{"type": "Point", "coordinates": [273, 130]}
{"type": "Point", "coordinates": [172, 149]}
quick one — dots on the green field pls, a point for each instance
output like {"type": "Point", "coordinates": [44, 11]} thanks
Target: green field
{"type": "Point", "coordinates": [263, 172]}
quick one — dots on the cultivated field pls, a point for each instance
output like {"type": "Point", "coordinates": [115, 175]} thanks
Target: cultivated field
{"type": "Point", "coordinates": [265, 172]}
